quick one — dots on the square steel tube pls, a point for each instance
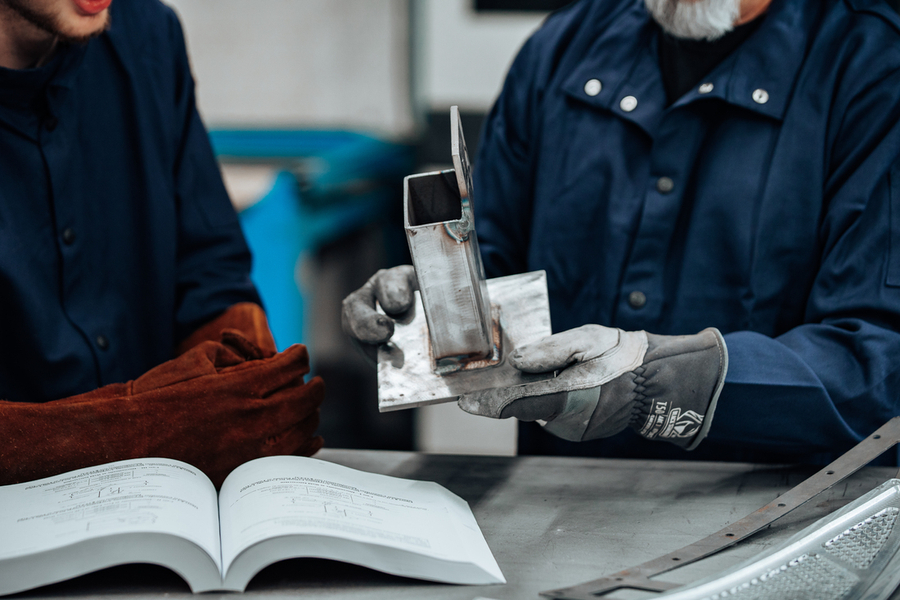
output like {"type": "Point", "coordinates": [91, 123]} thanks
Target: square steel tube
{"type": "Point", "coordinates": [444, 249]}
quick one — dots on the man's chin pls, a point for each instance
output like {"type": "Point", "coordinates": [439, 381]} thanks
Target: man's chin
{"type": "Point", "coordinates": [70, 36]}
{"type": "Point", "coordinates": [67, 24]}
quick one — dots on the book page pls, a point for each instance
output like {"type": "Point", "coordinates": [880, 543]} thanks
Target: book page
{"type": "Point", "coordinates": [152, 495]}
{"type": "Point", "coordinates": [290, 495]}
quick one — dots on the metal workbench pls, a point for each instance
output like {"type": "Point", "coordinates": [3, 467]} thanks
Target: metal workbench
{"type": "Point", "coordinates": [550, 521]}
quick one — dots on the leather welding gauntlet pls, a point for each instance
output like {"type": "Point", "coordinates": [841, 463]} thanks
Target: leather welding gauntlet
{"type": "Point", "coordinates": [216, 406]}
{"type": "Point", "coordinates": [247, 318]}
{"type": "Point", "coordinates": [664, 387]}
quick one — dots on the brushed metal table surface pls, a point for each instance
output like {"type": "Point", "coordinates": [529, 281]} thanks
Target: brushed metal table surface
{"type": "Point", "coordinates": [550, 521]}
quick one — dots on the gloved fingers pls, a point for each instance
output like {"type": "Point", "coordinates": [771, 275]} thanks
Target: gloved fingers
{"type": "Point", "coordinates": [496, 404]}
{"type": "Point", "coordinates": [245, 317]}
{"type": "Point", "coordinates": [263, 377]}
{"type": "Point", "coordinates": [199, 361]}
{"type": "Point", "coordinates": [310, 447]}
{"type": "Point", "coordinates": [535, 408]}
{"type": "Point", "coordinates": [235, 340]}
{"type": "Point", "coordinates": [393, 289]}
{"type": "Point", "coordinates": [292, 405]}
{"type": "Point", "coordinates": [299, 439]}
{"type": "Point", "coordinates": [563, 349]}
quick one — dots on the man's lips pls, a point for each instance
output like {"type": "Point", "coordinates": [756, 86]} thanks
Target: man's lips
{"type": "Point", "coordinates": [92, 7]}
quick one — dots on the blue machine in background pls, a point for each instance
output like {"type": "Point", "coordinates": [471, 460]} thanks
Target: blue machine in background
{"type": "Point", "coordinates": [328, 185]}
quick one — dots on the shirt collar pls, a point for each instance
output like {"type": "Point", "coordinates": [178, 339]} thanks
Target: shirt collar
{"type": "Point", "coordinates": [20, 87]}
{"type": "Point", "coordinates": [24, 97]}
{"type": "Point", "coordinates": [759, 75]}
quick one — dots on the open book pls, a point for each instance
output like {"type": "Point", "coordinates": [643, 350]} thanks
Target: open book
{"type": "Point", "coordinates": [167, 512]}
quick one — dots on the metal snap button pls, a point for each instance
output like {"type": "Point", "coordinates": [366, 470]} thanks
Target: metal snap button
{"type": "Point", "coordinates": [760, 96]}
{"type": "Point", "coordinates": [665, 185]}
{"type": "Point", "coordinates": [102, 342]}
{"type": "Point", "coordinates": [68, 236]}
{"type": "Point", "coordinates": [593, 87]}
{"type": "Point", "coordinates": [628, 103]}
{"type": "Point", "coordinates": [637, 299]}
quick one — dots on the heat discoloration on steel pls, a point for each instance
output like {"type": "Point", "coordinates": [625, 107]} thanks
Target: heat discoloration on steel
{"type": "Point", "coordinates": [406, 369]}
{"type": "Point", "coordinates": [444, 247]}
{"type": "Point", "coordinates": [456, 340]}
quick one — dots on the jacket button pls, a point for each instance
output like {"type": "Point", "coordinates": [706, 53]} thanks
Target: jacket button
{"type": "Point", "coordinates": [637, 299]}
{"type": "Point", "coordinates": [628, 103]}
{"type": "Point", "coordinates": [102, 342]}
{"type": "Point", "coordinates": [760, 96]}
{"type": "Point", "coordinates": [593, 87]}
{"type": "Point", "coordinates": [50, 123]}
{"type": "Point", "coordinates": [68, 236]}
{"type": "Point", "coordinates": [705, 88]}
{"type": "Point", "coordinates": [665, 185]}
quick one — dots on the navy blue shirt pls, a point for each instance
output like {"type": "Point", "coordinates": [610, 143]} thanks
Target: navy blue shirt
{"type": "Point", "coordinates": [765, 202]}
{"type": "Point", "coordinates": [117, 237]}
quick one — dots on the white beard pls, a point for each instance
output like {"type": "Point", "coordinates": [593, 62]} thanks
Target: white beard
{"type": "Point", "coordinates": [695, 19]}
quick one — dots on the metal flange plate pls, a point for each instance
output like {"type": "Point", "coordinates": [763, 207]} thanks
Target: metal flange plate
{"type": "Point", "coordinates": [407, 374]}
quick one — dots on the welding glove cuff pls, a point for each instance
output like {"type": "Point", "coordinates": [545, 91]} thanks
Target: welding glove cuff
{"type": "Point", "coordinates": [671, 396]}
{"type": "Point", "coordinates": [664, 387]}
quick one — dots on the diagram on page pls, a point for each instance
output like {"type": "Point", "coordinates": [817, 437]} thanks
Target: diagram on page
{"type": "Point", "coordinates": [154, 495]}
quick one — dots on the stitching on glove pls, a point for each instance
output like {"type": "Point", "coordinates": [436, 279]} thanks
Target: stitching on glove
{"type": "Point", "coordinates": [639, 409]}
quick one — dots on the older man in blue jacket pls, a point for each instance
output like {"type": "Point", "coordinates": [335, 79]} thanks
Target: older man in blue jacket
{"type": "Point", "coordinates": [719, 165]}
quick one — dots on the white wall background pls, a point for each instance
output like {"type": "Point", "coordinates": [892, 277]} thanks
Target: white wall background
{"type": "Point", "coordinates": [465, 55]}
{"type": "Point", "coordinates": [346, 63]}
{"type": "Point", "coordinates": [301, 63]}
{"type": "Point", "coordinates": [372, 65]}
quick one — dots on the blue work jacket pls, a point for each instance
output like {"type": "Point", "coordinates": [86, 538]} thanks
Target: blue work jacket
{"type": "Point", "coordinates": [764, 202]}
{"type": "Point", "coordinates": [117, 237]}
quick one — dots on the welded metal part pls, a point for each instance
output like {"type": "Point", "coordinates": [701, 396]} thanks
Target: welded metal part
{"type": "Point", "coordinates": [406, 368]}
{"type": "Point", "coordinates": [849, 554]}
{"type": "Point", "coordinates": [456, 337]}
{"type": "Point", "coordinates": [437, 210]}
{"type": "Point", "coordinates": [638, 577]}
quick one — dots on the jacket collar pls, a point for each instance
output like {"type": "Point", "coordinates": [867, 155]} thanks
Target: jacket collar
{"type": "Point", "coordinates": [24, 96]}
{"type": "Point", "coordinates": [758, 76]}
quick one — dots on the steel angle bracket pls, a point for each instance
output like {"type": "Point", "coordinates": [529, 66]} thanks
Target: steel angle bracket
{"type": "Point", "coordinates": [407, 376]}
{"type": "Point", "coordinates": [638, 577]}
{"type": "Point", "coordinates": [462, 327]}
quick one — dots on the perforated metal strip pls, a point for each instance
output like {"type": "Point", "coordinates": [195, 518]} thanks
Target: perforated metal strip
{"type": "Point", "coordinates": [638, 577]}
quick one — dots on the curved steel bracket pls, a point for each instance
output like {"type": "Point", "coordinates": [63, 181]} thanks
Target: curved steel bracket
{"type": "Point", "coordinates": [638, 577]}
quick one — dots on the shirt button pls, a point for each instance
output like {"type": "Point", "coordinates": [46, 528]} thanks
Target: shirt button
{"type": "Point", "coordinates": [50, 123]}
{"type": "Point", "coordinates": [705, 88]}
{"type": "Point", "coordinates": [593, 87]}
{"type": "Point", "coordinates": [68, 236]}
{"type": "Point", "coordinates": [665, 185]}
{"type": "Point", "coordinates": [637, 299]}
{"type": "Point", "coordinates": [628, 103]}
{"type": "Point", "coordinates": [102, 342]}
{"type": "Point", "coordinates": [760, 96]}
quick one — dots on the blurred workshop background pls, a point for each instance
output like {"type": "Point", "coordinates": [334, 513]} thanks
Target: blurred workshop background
{"type": "Point", "coordinates": [317, 109]}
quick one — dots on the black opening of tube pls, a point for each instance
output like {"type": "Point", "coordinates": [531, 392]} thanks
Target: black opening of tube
{"type": "Point", "coordinates": [433, 199]}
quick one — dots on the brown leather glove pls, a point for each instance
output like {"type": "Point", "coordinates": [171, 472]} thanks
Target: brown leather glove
{"type": "Point", "coordinates": [216, 406]}
{"type": "Point", "coordinates": [246, 317]}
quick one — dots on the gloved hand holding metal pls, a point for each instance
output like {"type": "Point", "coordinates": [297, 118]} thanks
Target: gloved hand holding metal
{"type": "Point", "coordinates": [664, 387]}
{"type": "Point", "coordinates": [394, 290]}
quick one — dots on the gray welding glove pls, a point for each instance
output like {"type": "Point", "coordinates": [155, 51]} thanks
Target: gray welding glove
{"type": "Point", "coordinates": [664, 387]}
{"type": "Point", "coordinates": [394, 290]}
